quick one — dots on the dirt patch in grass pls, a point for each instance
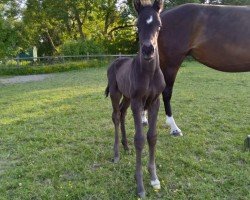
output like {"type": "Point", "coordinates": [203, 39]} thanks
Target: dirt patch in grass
{"type": "Point", "coordinates": [24, 79]}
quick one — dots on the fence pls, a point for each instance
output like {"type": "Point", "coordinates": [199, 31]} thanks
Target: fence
{"type": "Point", "coordinates": [49, 60]}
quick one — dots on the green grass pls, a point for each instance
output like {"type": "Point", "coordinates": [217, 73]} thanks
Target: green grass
{"type": "Point", "coordinates": [56, 139]}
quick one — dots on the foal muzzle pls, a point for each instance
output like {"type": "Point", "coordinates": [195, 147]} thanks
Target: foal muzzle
{"type": "Point", "coordinates": [148, 51]}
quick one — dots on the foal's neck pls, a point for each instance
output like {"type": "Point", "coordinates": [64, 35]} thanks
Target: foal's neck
{"type": "Point", "coordinates": [149, 65]}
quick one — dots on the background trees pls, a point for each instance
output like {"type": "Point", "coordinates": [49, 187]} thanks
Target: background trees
{"type": "Point", "coordinates": [11, 29]}
{"type": "Point", "coordinates": [73, 27]}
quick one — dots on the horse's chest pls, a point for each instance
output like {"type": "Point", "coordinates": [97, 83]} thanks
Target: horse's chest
{"type": "Point", "coordinates": [142, 85]}
{"type": "Point", "coordinates": [152, 88]}
{"type": "Point", "coordinates": [157, 84]}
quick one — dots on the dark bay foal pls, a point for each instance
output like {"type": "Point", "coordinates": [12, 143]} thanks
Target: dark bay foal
{"type": "Point", "coordinates": [139, 82]}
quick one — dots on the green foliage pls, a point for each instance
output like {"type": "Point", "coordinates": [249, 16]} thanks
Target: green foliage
{"type": "Point", "coordinates": [235, 2]}
{"type": "Point", "coordinates": [172, 3]}
{"type": "Point", "coordinates": [51, 25]}
{"type": "Point", "coordinates": [10, 37]}
{"type": "Point", "coordinates": [81, 47]}
{"type": "Point", "coordinates": [124, 42]}
{"type": "Point", "coordinates": [46, 69]}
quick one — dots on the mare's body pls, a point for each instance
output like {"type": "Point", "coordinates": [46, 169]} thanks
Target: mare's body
{"type": "Point", "coordinates": [217, 36]}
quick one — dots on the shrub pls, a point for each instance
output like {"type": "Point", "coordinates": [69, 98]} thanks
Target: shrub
{"type": "Point", "coordinates": [81, 47]}
{"type": "Point", "coordinates": [60, 67]}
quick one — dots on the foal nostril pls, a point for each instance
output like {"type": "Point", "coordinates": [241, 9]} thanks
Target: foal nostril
{"type": "Point", "coordinates": [148, 49]}
{"type": "Point", "coordinates": [151, 48]}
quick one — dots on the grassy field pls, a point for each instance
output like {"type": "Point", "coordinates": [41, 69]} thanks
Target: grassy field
{"type": "Point", "coordinates": [56, 139]}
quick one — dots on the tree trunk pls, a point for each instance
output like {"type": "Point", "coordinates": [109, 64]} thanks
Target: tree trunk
{"type": "Point", "coordinates": [79, 24]}
{"type": "Point", "coordinates": [50, 41]}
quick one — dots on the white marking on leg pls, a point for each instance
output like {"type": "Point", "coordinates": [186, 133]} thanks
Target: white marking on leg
{"type": "Point", "coordinates": [174, 128]}
{"type": "Point", "coordinates": [144, 119]}
{"type": "Point", "coordinates": [149, 20]}
{"type": "Point", "coordinates": [156, 184]}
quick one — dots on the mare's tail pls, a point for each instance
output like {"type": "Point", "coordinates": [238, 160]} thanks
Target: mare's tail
{"type": "Point", "coordinates": [107, 91]}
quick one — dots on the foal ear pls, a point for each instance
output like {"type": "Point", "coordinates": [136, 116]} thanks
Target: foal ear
{"type": "Point", "coordinates": [137, 5]}
{"type": "Point", "coordinates": [158, 5]}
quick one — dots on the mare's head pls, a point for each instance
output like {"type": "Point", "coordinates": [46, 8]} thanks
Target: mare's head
{"type": "Point", "coordinates": [148, 25]}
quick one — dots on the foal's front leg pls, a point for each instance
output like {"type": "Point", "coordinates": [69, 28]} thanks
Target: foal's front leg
{"type": "Point", "coordinates": [152, 138]}
{"type": "Point", "coordinates": [139, 141]}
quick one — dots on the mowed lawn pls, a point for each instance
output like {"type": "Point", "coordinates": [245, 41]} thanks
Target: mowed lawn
{"type": "Point", "coordinates": [56, 139]}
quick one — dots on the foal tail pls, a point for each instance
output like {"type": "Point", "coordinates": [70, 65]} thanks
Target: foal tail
{"type": "Point", "coordinates": [107, 91]}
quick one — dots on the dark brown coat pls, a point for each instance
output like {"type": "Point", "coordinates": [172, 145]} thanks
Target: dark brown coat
{"type": "Point", "coordinates": [217, 36]}
{"type": "Point", "coordinates": [140, 82]}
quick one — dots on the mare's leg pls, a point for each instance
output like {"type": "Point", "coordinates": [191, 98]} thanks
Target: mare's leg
{"type": "Point", "coordinates": [152, 138]}
{"type": "Point", "coordinates": [123, 109]}
{"type": "Point", "coordinates": [115, 98]}
{"type": "Point", "coordinates": [170, 72]}
{"type": "Point", "coordinates": [139, 141]}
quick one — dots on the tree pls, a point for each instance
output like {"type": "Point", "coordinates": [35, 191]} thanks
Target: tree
{"type": "Point", "coordinates": [11, 29]}
{"type": "Point", "coordinates": [42, 27]}
{"type": "Point", "coordinates": [114, 26]}
{"type": "Point", "coordinates": [51, 25]}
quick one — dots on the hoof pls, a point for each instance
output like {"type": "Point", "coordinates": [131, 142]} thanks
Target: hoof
{"type": "Point", "coordinates": [156, 184]}
{"type": "Point", "coordinates": [126, 148]}
{"type": "Point", "coordinates": [176, 133]}
{"type": "Point", "coordinates": [142, 195]}
{"type": "Point", "coordinates": [128, 152]}
{"type": "Point", "coordinates": [116, 160]}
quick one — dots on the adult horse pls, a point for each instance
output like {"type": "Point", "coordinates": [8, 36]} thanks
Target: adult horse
{"type": "Point", "coordinates": [216, 36]}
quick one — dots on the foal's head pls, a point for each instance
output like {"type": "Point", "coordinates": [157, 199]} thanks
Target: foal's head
{"type": "Point", "coordinates": [148, 24]}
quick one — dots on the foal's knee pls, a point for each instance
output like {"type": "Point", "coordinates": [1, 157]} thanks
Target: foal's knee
{"type": "Point", "coordinates": [139, 142]}
{"type": "Point", "coordinates": [151, 138]}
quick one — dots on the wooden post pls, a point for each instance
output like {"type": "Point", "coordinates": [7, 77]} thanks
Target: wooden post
{"type": "Point", "coordinates": [18, 61]}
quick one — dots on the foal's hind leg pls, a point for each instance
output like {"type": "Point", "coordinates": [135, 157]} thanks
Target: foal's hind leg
{"type": "Point", "coordinates": [115, 99]}
{"type": "Point", "coordinates": [152, 138]}
{"type": "Point", "coordinates": [123, 109]}
{"type": "Point", "coordinates": [144, 119]}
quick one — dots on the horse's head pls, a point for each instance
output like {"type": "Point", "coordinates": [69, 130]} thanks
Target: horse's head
{"type": "Point", "coordinates": [148, 24]}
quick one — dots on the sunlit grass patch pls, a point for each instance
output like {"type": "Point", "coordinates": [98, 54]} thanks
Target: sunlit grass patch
{"type": "Point", "coordinates": [56, 139]}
